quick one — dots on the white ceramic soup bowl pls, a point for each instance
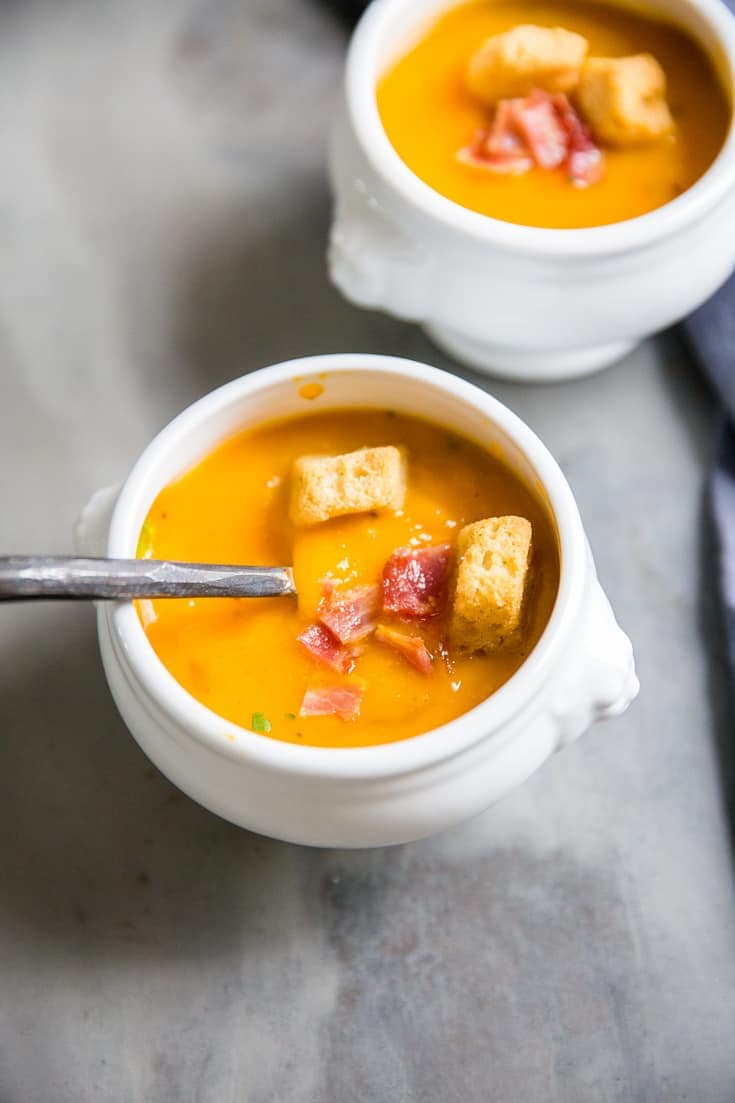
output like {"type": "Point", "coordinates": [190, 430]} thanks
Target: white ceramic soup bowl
{"type": "Point", "coordinates": [581, 669]}
{"type": "Point", "coordinates": [517, 301]}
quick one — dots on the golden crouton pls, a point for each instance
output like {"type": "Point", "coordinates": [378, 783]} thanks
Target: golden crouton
{"type": "Point", "coordinates": [526, 57]}
{"type": "Point", "coordinates": [490, 583]}
{"type": "Point", "coordinates": [323, 487]}
{"type": "Point", "coordinates": [624, 99]}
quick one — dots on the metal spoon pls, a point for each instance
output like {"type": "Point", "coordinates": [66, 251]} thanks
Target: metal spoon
{"type": "Point", "coordinates": [26, 577]}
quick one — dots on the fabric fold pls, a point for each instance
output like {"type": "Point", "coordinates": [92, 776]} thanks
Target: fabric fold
{"type": "Point", "coordinates": [711, 334]}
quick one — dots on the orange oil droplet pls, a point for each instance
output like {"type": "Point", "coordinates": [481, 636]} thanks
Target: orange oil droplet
{"type": "Point", "coordinates": [311, 390]}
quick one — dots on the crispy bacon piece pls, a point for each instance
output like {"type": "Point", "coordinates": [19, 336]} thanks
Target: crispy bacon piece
{"type": "Point", "coordinates": [541, 129]}
{"type": "Point", "coordinates": [502, 136]}
{"type": "Point", "coordinates": [504, 165]}
{"type": "Point", "coordinates": [585, 159]}
{"type": "Point", "coordinates": [585, 166]}
{"type": "Point", "coordinates": [499, 147]}
{"type": "Point", "coordinates": [415, 581]}
{"type": "Point", "coordinates": [349, 614]}
{"type": "Point", "coordinates": [412, 648]}
{"type": "Point", "coordinates": [537, 120]}
{"type": "Point", "coordinates": [320, 643]}
{"type": "Point", "coordinates": [343, 701]}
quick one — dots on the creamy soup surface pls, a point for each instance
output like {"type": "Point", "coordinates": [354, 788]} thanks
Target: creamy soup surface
{"type": "Point", "coordinates": [242, 658]}
{"type": "Point", "coordinates": [429, 114]}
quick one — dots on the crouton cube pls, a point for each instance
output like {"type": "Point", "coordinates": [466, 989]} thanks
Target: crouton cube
{"type": "Point", "coordinates": [526, 57]}
{"type": "Point", "coordinates": [624, 99]}
{"type": "Point", "coordinates": [323, 487]}
{"type": "Point", "coordinates": [493, 563]}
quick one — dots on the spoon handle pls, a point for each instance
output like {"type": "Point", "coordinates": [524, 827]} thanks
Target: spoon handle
{"type": "Point", "coordinates": [26, 577]}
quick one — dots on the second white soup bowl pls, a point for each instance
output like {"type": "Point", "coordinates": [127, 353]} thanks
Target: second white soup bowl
{"type": "Point", "coordinates": [518, 301]}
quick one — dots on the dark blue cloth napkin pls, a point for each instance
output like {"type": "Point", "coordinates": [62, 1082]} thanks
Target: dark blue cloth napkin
{"type": "Point", "coordinates": [711, 332]}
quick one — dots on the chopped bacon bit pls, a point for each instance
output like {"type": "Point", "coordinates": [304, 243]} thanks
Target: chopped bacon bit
{"type": "Point", "coordinates": [541, 129]}
{"type": "Point", "coordinates": [412, 648]}
{"type": "Point", "coordinates": [320, 643]}
{"type": "Point", "coordinates": [585, 160]}
{"type": "Point", "coordinates": [415, 581]}
{"type": "Point", "coordinates": [349, 614]}
{"type": "Point", "coordinates": [538, 122]}
{"type": "Point", "coordinates": [342, 701]}
{"type": "Point", "coordinates": [499, 147]}
{"type": "Point", "coordinates": [504, 164]}
{"type": "Point", "coordinates": [503, 138]}
{"type": "Point", "coordinates": [585, 166]}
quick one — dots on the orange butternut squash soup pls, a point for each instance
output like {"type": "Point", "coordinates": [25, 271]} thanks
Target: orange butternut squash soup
{"type": "Point", "coordinates": [426, 572]}
{"type": "Point", "coordinates": [554, 114]}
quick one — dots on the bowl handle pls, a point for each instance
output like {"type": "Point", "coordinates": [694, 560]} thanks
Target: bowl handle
{"type": "Point", "coordinates": [372, 260]}
{"type": "Point", "coordinates": [600, 679]}
{"type": "Point", "coordinates": [93, 524]}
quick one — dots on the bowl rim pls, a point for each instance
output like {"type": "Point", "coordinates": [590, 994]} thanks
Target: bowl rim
{"type": "Point", "coordinates": [351, 763]}
{"type": "Point", "coordinates": [361, 72]}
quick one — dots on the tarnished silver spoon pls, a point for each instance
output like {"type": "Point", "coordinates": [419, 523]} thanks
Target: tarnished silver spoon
{"type": "Point", "coordinates": [24, 578]}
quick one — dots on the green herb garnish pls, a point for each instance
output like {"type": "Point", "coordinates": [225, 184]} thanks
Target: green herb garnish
{"type": "Point", "coordinates": [290, 715]}
{"type": "Point", "coordinates": [261, 723]}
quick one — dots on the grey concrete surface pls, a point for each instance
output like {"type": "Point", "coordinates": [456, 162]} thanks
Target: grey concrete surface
{"type": "Point", "coordinates": [163, 211]}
